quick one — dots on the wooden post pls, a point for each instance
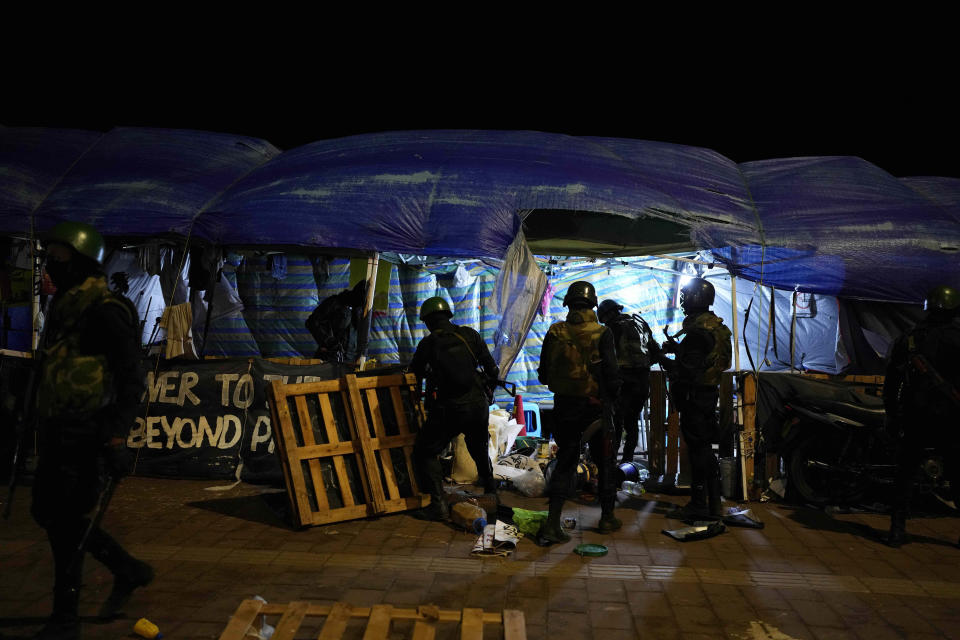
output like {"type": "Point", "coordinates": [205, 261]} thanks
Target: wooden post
{"type": "Point", "coordinates": [726, 415]}
{"type": "Point", "coordinates": [736, 335]}
{"type": "Point", "coordinates": [748, 439]}
{"type": "Point", "coordinates": [373, 264]}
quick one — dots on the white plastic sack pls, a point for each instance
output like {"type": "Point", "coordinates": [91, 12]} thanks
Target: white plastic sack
{"type": "Point", "coordinates": [530, 483]}
{"type": "Point", "coordinates": [509, 467]}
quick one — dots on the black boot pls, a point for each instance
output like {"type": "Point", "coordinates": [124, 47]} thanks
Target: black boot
{"type": "Point", "coordinates": [489, 485]}
{"type": "Point", "coordinates": [64, 623]}
{"type": "Point", "coordinates": [128, 572]}
{"type": "Point", "coordinates": [897, 536]}
{"type": "Point", "coordinates": [696, 509]}
{"type": "Point", "coordinates": [552, 531]}
{"type": "Point", "coordinates": [608, 522]}
{"type": "Point", "coordinates": [137, 574]}
{"type": "Point", "coordinates": [432, 479]}
{"type": "Point", "coordinates": [436, 511]}
{"type": "Point", "coordinates": [714, 499]}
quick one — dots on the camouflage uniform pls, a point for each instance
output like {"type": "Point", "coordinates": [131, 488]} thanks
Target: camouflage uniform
{"type": "Point", "coordinates": [89, 391]}
{"type": "Point", "coordinates": [702, 356]}
{"type": "Point", "coordinates": [578, 363]}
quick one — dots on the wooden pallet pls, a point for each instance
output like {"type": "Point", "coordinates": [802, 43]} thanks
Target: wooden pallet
{"type": "Point", "coordinates": [346, 446]}
{"type": "Point", "coordinates": [426, 620]}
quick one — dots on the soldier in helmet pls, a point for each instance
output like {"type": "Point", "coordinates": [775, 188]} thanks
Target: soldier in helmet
{"type": "Point", "coordinates": [921, 393]}
{"type": "Point", "coordinates": [578, 363]}
{"type": "Point", "coordinates": [701, 357]}
{"type": "Point", "coordinates": [636, 351]}
{"type": "Point", "coordinates": [90, 386]}
{"type": "Point", "coordinates": [460, 374]}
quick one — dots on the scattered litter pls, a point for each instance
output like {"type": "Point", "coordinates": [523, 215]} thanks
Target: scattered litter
{"type": "Point", "coordinates": [592, 550]}
{"type": "Point", "coordinates": [778, 486]}
{"type": "Point", "coordinates": [465, 515]}
{"type": "Point", "coordinates": [513, 465]}
{"type": "Point", "coordinates": [498, 539]}
{"type": "Point", "coordinates": [742, 518]}
{"type": "Point", "coordinates": [697, 531]}
{"type": "Point", "coordinates": [147, 629]}
{"type": "Point", "coordinates": [531, 483]}
{"type": "Point", "coordinates": [633, 488]}
{"type": "Point", "coordinates": [265, 631]}
{"type": "Point", "coordinates": [529, 522]}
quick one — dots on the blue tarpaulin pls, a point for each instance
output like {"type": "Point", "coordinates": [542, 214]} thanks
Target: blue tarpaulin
{"type": "Point", "coordinates": [832, 225]}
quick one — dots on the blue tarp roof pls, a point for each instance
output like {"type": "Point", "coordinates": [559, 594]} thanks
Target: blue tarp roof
{"type": "Point", "coordinates": [832, 225]}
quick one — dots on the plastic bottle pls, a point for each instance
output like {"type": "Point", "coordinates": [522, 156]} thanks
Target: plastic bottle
{"type": "Point", "coordinates": [465, 514]}
{"type": "Point", "coordinates": [266, 630]}
{"type": "Point", "coordinates": [147, 629]}
{"type": "Point", "coordinates": [478, 525]}
{"type": "Point", "coordinates": [633, 488]}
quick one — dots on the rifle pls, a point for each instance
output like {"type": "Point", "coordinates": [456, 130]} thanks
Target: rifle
{"type": "Point", "coordinates": [102, 503]}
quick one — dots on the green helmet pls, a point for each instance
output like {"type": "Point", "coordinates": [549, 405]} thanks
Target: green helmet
{"type": "Point", "coordinates": [608, 310]}
{"type": "Point", "coordinates": [86, 240]}
{"type": "Point", "coordinates": [697, 294]}
{"type": "Point", "coordinates": [942, 298]}
{"type": "Point", "coordinates": [581, 291]}
{"type": "Point", "coordinates": [434, 305]}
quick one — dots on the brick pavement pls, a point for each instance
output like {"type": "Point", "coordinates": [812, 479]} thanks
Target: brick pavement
{"type": "Point", "coordinates": [807, 574]}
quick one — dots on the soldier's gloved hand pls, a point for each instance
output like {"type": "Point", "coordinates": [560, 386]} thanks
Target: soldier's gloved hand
{"type": "Point", "coordinates": [118, 459]}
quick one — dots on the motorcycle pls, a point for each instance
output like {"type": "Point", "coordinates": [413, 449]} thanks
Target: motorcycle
{"type": "Point", "coordinates": [839, 452]}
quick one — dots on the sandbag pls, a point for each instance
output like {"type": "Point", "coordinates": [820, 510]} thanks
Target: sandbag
{"type": "Point", "coordinates": [464, 468]}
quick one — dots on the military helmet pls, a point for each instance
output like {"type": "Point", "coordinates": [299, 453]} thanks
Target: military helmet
{"type": "Point", "coordinates": [434, 305]}
{"type": "Point", "coordinates": [697, 294]}
{"type": "Point", "coordinates": [581, 291]}
{"type": "Point", "coordinates": [607, 309]}
{"type": "Point", "coordinates": [942, 298]}
{"type": "Point", "coordinates": [84, 239]}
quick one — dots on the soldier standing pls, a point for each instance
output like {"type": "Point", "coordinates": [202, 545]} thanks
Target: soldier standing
{"type": "Point", "coordinates": [90, 387]}
{"type": "Point", "coordinates": [578, 363]}
{"type": "Point", "coordinates": [921, 394]}
{"type": "Point", "coordinates": [458, 401]}
{"type": "Point", "coordinates": [636, 351]}
{"type": "Point", "coordinates": [701, 357]}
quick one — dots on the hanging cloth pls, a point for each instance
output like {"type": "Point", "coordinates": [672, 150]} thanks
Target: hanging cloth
{"type": "Point", "coordinates": [177, 321]}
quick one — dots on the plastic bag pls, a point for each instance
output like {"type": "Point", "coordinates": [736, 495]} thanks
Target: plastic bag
{"type": "Point", "coordinates": [528, 522]}
{"type": "Point", "coordinates": [530, 483]}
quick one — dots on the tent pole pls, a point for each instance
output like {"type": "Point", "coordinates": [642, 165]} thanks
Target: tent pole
{"type": "Point", "coordinates": [373, 263]}
{"type": "Point", "coordinates": [736, 336]}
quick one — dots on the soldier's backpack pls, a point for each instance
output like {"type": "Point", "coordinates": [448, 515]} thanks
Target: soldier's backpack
{"type": "Point", "coordinates": [719, 359]}
{"type": "Point", "coordinates": [633, 344]}
{"type": "Point", "coordinates": [575, 358]}
{"type": "Point", "coordinates": [454, 365]}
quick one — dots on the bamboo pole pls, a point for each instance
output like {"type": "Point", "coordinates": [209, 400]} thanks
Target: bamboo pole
{"type": "Point", "coordinates": [373, 264]}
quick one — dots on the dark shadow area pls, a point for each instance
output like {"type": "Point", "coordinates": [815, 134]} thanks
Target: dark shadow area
{"type": "Point", "coordinates": [822, 521]}
{"type": "Point", "coordinates": [36, 621]}
{"type": "Point", "coordinates": [267, 508]}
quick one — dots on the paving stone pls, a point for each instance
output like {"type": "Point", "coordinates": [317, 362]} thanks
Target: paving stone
{"type": "Point", "coordinates": [800, 580]}
{"type": "Point", "coordinates": [610, 615]}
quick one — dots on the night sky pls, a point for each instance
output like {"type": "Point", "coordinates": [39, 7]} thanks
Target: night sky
{"type": "Point", "coordinates": [903, 124]}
